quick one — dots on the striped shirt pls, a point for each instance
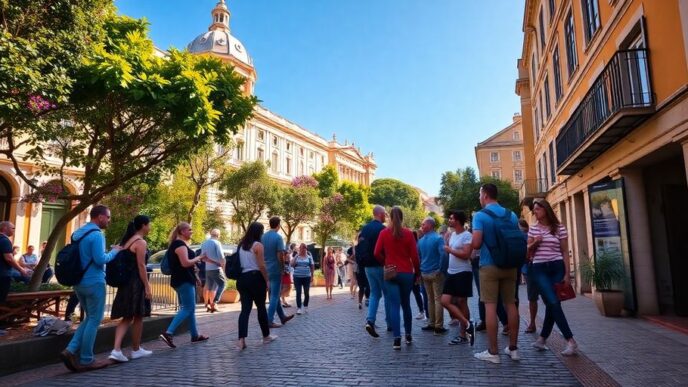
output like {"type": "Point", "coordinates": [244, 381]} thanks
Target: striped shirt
{"type": "Point", "coordinates": [302, 266]}
{"type": "Point", "coordinates": [550, 248]}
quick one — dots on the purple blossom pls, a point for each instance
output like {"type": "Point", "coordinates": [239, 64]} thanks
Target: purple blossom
{"type": "Point", "coordinates": [304, 181]}
{"type": "Point", "coordinates": [37, 104]}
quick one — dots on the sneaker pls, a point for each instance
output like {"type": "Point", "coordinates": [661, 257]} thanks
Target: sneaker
{"type": "Point", "coordinates": [480, 327]}
{"type": "Point", "coordinates": [420, 316]}
{"type": "Point", "coordinates": [470, 332]}
{"type": "Point", "coordinates": [539, 345]}
{"type": "Point", "coordinates": [366, 302]}
{"type": "Point", "coordinates": [440, 331]}
{"type": "Point", "coordinates": [397, 344]}
{"type": "Point", "coordinates": [409, 339]}
{"type": "Point", "coordinates": [360, 306]}
{"type": "Point", "coordinates": [305, 309]}
{"type": "Point", "coordinates": [118, 356]}
{"type": "Point", "coordinates": [275, 325]}
{"type": "Point", "coordinates": [167, 338]}
{"type": "Point", "coordinates": [571, 350]}
{"type": "Point", "coordinates": [69, 360]}
{"type": "Point", "coordinates": [458, 340]}
{"type": "Point", "coordinates": [512, 353]}
{"type": "Point", "coordinates": [370, 328]}
{"type": "Point", "coordinates": [142, 352]}
{"type": "Point", "coordinates": [428, 328]}
{"type": "Point", "coordinates": [287, 318]}
{"type": "Point", "coordinates": [199, 338]}
{"type": "Point", "coordinates": [487, 356]}
{"type": "Point", "coordinates": [505, 331]}
{"type": "Point", "coordinates": [269, 339]}
{"type": "Point", "coordinates": [299, 311]}
{"type": "Point", "coordinates": [454, 322]}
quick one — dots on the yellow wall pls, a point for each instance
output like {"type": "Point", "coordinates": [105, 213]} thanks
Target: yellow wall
{"type": "Point", "coordinates": [504, 144]}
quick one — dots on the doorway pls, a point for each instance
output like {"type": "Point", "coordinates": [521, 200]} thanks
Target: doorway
{"type": "Point", "coordinates": [5, 199]}
{"type": "Point", "coordinates": [675, 213]}
{"type": "Point", "coordinates": [50, 215]}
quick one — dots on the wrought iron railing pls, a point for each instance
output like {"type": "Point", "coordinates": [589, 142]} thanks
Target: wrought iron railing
{"type": "Point", "coordinates": [533, 188]}
{"type": "Point", "coordinates": [164, 296]}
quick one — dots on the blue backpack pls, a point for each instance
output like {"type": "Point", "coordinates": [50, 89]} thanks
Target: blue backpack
{"type": "Point", "coordinates": [510, 250]}
{"type": "Point", "coordinates": [68, 270]}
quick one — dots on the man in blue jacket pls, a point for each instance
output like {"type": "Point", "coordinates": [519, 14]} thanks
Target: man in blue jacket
{"type": "Point", "coordinates": [367, 239]}
{"type": "Point", "coordinates": [90, 291]}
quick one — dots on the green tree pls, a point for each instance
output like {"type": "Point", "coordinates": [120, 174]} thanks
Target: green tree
{"type": "Point", "coordinates": [128, 113]}
{"type": "Point", "coordinates": [331, 218]}
{"type": "Point", "coordinates": [459, 191]}
{"type": "Point", "coordinates": [393, 192]}
{"type": "Point", "coordinates": [355, 198]}
{"type": "Point", "coordinates": [250, 191]}
{"type": "Point", "coordinates": [508, 195]}
{"type": "Point", "coordinates": [296, 204]}
{"type": "Point", "coordinates": [207, 168]}
{"type": "Point", "coordinates": [215, 219]}
{"type": "Point", "coordinates": [328, 181]}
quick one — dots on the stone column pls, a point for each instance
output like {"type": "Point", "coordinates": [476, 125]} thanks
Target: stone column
{"type": "Point", "coordinates": [580, 232]}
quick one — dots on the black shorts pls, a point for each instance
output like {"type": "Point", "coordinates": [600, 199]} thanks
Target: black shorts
{"type": "Point", "coordinates": [459, 285]}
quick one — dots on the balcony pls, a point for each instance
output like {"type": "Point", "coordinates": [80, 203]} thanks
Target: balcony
{"type": "Point", "coordinates": [533, 188]}
{"type": "Point", "coordinates": [620, 99]}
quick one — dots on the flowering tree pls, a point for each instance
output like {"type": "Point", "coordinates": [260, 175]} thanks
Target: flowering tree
{"type": "Point", "coordinates": [332, 213]}
{"type": "Point", "coordinates": [296, 204]}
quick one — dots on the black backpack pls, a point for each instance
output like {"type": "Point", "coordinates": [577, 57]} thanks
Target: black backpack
{"type": "Point", "coordinates": [68, 270]}
{"type": "Point", "coordinates": [510, 250]}
{"type": "Point", "coordinates": [118, 271]}
{"type": "Point", "coordinates": [233, 266]}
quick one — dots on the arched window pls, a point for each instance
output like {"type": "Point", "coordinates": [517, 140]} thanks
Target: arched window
{"type": "Point", "coordinates": [5, 199]}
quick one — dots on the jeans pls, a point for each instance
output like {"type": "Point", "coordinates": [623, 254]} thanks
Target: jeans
{"type": "Point", "coordinates": [305, 284]}
{"type": "Point", "coordinates": [545, 275]}
{"type": "Point", "coordinates": [425, 300]}
{"type": "Point", "coordinates": [433, 286]}
{"type": "Point", "coordinates": [252, 288]}
{"type": "Point", "coordinates": [275, 304]}
{"type": "Point", "coordinates": [221, 288]}
{"type": "Point", "coordinates": [376, 281]}
{"type": "Point", "coordinates": [399, 295]}
{"type": "Point", "coordinates": [481, 304]}
{"type": "Point", "coordinates": [420, 302]}
{"type": "Point", "coordinates": [92, 299]}
{"type": "Point", "coordinates": [186, 293]}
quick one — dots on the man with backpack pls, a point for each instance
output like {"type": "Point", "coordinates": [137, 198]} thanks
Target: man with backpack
{"type": "Point", "coordinates": [90, 289]}
{"type": "Point", "coordinates": [495, 233]}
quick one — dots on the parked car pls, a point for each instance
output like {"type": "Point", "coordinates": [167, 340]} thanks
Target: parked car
{"type": "Point", "coordinates": [154, 259]}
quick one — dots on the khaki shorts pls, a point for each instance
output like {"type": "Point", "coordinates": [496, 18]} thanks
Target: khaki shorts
{"type": "Point", "coordinates": [495, 281]}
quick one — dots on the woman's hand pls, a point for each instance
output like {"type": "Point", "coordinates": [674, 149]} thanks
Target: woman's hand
{"type": "Point", "coordinates": [149, 292]}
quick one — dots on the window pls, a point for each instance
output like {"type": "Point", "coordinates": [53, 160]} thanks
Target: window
{"type": "Point", "coordinates": [322, 159]}
{"type": "Point", "coordinates": [537, 124]}
{"type": "Point", "coordinates": [301, 151]}
{"type": "Point", "coordinates": [274, 140]}
{"type": "Point", "coordinates": [571, 55]}
{"type": "Point", "coordinates": [301, 168]}
{"type": "Point", "coordinates": [552, 10]}
{"type": "Point", "coordinates": [261, 135]}
{"type": "Point", "coordinates": [516, 155]}
{"type": "Point", "coordinates": [591, 18]}
{"type": "Point", "coordinates": [497, 174]}
{"type": "Point", "coordinates": [517, 135]}
{"type": "Point", "coordinates": [557, 74]}
{"type": "Point", "coordinates": [533, 70]}
{"type": "Point", "coordinates": [311, 155]}
{"type": "Point", "coordinates": [542, 31]}
{"type": "Point", "coordinates": [274, 163]}
{"type": "Point", "coordinates": [288, 146]}
{"type": "Point", "coordinates": [518, 175]}
{"type": "Point", "coordinates": [494, 157]}
{"type": "Point", "coordinates": [552, 170]}
{"type": "Point", "coordinates": [288, 166]}
{"type": "Point", "coordinates": [261, 154]}
{"type": "Point", "coordinates": [548, 110]}
{"type": "Point", "coordinates": [240, 151]}
{"type": "Point", "coordinates": [542, 110]}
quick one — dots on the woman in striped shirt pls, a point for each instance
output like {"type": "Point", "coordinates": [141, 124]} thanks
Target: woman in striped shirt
{"type": "Point", "coordinates": [549, 251]}
{"type": "Point", "coordinates": [303, 276]}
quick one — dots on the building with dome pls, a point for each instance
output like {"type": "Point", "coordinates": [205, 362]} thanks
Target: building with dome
{"type": "Point", "coordinates": [290, 149]}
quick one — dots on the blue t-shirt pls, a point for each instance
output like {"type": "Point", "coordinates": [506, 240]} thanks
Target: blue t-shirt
{"type": "Point", "coordinates": [272, 244]}
{"type": "Point", "coordinates": [483, 222]}
{"type": "Point", "coordinates": [5, 248]}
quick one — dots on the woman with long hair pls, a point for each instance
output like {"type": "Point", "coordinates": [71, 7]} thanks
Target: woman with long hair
{"type": "Point", "coordinates": [252, 284]}
{"type": "Point", "coordinates": [182, 262]}
{"type": "Point", "coordinates": [132, 301]}
{"type": "Point", "coordinates": [328, 268]}
{"type": "Point", "coordinates": [396, 250]}
{"type": "Point", "coordinates": [549, 250]}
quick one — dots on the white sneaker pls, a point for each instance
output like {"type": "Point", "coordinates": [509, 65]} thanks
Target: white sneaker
{"type": "Point", "coordinates": [420, 316]}
{"type": "Point", "coordinates": [299, 311]}
{"type": "Point", "coordinates": [513, 354]}
{"type": "Point", "coordinates": [540, 345]}
{"type": "Point", "coordinates": [118, 356]}
{"type": "Point", "coordinates": [487, 356]}
{"type": "Point", "coordinates": [269, 339]}
{"type": "Point", "coordinates": [454, 322]}
{"type": "Point", "coordinates": [305, 309]}
{"type": "Point", "coordinates": [571, 350]}
{"type": "Point", "coordinates": [142, 352]}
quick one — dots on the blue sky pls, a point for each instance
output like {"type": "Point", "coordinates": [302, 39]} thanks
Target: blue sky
{"type": "Point", "coordinates": [417, 82]}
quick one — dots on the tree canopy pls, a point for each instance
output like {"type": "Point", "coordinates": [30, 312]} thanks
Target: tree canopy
{"type": "Point", "coordinates": [250, 191]}
{"type": "Point", "coordinates": [459, 191]}
{"type": "Point", "coordinates": [297, 204]}
{"type": "Point", "coordinates": [393, 192]}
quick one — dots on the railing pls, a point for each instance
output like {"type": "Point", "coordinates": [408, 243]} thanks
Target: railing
{"type": "Point", "coordinates": [164, 296]}
{"type": "Point", "coordinates": [533, 188]}
{"type": "Point", "coordinates": [623, 84]}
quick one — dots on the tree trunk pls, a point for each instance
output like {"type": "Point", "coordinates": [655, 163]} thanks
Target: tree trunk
{"type": "Point", "coordinates": [289, 232]}
{"type": "Point", "coordinates": [52, 242]}
{"type": "Point", "coordinates": [194, 204]}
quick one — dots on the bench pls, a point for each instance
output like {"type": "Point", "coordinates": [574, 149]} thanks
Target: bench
{"type": "Point", "coordinates": [26, 305]}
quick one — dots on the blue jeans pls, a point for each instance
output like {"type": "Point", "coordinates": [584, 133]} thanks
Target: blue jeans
{"type": "Point", "coordinates": [399, 296]}
{"type": "Point", "coordinates": [92, 299]}
{"type": "Point", "coordinates": [545, 275]}
{"type": "Point", "coordinates": [186, 293]}
{"type": "Point", "coordinates": [376, 282]}
{"type": "Point", "coordinates": [275, 304]}
{"type": "Point", "coordinates": [305, 284]}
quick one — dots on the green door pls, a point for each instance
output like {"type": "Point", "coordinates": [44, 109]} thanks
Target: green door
{"type": "Point", "coordinates": [52, 212]}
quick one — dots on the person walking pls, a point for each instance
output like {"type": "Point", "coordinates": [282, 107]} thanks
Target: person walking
{"type": "Point", "coordinates": [430, 249]}
{"type": "Point", "coordinates": [531, 286]}
{"type": "Point", "coordinates": [214, 270]}
{"type": "Point", "coordinates": [365, 252]}
{"type": "Point", "coordinates": [274, 253]}
{"type": "Point", "coordinates": [396, 249]}
{"type": "Point", "coordinates": [304, 267]}
{"type": "Point", "coordinates": [328, 267]}
{"type": "Point", "coordinates": [252, 284]}
{"type": "Point", "coordinates": [361, 277]}
{"type": "Point", "coordinates": [351, 270]}
{"type": "Point", "coordinates": [90, 290]}
{"type": "Point", "coordinates": [133, 300]}
{"type": "Point", "coordinates": [184, 280]}
{"type": "Point", "coordinates": [548, 246]}
{"type": "Point", "coordinates": [341, 268]}
{"type": "Point", "coordinates": [494, 281]}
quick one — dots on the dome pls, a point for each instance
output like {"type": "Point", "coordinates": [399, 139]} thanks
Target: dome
{"type": "Point", "coordinates": [222, 43]}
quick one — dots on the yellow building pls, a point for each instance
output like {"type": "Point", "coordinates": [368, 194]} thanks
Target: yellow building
{"type": "Point", "coordinates": [603, 87]}
{"type": "Point", "coordinates": [501, 156]}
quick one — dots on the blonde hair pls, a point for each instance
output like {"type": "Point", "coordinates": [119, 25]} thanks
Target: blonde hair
{"type": "Point", "coordinates": [175, 232]}
{"type": "Point", "coordinates": [397, 218]}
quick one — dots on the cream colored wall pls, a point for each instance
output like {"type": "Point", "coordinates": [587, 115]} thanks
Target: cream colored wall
{"type": "Point", "coordinates": [505, 145]}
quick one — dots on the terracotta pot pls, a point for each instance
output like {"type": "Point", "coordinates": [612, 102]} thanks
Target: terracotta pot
{"type": "Point", "coordinates": [609, 302]}
{"type": "Point", "coordinates": [230, 296]}
{"type": "Point", "coordinates": [318, 281]}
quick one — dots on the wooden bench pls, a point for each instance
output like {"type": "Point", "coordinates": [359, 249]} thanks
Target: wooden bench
{"type": "Point", "coordinates": [26, 305]}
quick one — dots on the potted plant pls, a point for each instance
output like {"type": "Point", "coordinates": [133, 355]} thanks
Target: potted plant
{"type": "Point", "coordinates": [231, 295]}
{"type": "Point", "coordinates": [318, 278]}
{"type": "Point", "coordinates": [605, 272]}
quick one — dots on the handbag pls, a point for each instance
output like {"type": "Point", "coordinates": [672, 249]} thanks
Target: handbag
{"type": "Point", "coordinates": [564, 292]}
{"type": "Point", "coordinates": [390, 272]}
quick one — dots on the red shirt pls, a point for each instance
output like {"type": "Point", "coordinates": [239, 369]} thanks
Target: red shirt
{"type": "Point", "coordinates": [401, 252]}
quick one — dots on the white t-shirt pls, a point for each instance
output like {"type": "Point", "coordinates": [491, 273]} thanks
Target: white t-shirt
{"type": "Point", "coordinates": [456, 242]}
